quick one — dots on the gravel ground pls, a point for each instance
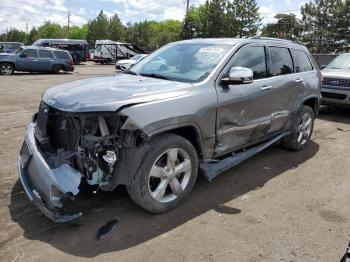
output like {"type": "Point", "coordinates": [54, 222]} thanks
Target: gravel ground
{"type": "Point", "coordinates": [277, 206]}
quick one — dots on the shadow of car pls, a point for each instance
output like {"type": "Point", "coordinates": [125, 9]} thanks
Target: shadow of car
{"type": "Point", "coordinates": [138, 226]}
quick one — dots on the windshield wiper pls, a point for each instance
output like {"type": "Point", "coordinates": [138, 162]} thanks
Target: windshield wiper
{"type": "Point", "coordinates": [154, 75]}
{"type": "Point", "coordinates": [130, 72]}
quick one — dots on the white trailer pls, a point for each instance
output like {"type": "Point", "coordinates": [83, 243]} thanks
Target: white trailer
{"type": "Point", "coordinates": [108, 51]}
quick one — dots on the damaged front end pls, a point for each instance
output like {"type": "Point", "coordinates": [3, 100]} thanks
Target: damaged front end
{"type": "Point", "coordinates": [64, 149]}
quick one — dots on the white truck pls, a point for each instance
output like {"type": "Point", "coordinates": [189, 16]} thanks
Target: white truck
{"type": "Point", "coordinates": [108, 51]}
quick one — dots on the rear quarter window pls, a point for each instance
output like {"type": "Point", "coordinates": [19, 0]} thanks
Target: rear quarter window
{"type": "Point", "coordinates": [301, 61]}
{"type": "Point", "coordinates": [62, 55]}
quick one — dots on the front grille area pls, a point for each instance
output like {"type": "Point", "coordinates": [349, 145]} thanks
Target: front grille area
{"type": "Point", "coordinates": [336, 82]}
{"type": "Point", "coordinates": [334, 95]}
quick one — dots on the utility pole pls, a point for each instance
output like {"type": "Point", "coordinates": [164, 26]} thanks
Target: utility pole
{"type": "Point", "coordinates": [27, 36]}
{"type": "Point", "coordinates": [186, 19]}
{"type": "Point", "coordinates": [68, 24]}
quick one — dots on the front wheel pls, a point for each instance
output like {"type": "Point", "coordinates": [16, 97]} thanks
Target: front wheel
{"type": "Point", "coordinates": [167, 174]}
{"type": "Point", "coordinates": [301, 130]}
{"type": "Point", "coordinates": [6, 69]}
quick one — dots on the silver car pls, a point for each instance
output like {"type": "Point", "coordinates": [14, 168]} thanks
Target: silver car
{"type": "Point", "coordinates": [336, 82]}
{"type": "Point", "coordinates": [197, 105]}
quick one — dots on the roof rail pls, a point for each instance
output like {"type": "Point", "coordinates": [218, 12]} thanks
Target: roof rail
{"type": "Point", "coordinates": [276, 39]}
{"type": "Point", "coordinates": [270, 38]}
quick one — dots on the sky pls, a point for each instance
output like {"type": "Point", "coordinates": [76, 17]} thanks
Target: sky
{"type": "Point", "coordinates": [28, 13]}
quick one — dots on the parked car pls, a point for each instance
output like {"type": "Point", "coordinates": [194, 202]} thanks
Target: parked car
{"type": "Point", "coordinates": [78, 48]}
{"type": "Point", "coordinates": [10, 47]}
{"type": "Point", "coordinates": [36, 59]}
{"type": "Point", "coordinates": [212, 104]}
{"type": "Point", "coordinates": [336, 82]}
{"type": "Point", "coordinates": [108, 51]}
{"type": "Point", "coordinates": [125, 64]}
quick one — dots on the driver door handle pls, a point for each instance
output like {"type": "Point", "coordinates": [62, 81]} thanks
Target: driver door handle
{"type": "Point", "coordinates": [299, 80]}
{"type": "Point", "coordinates": [264, 88]}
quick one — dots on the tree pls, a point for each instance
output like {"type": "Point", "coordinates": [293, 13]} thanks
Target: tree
{"type": "Point", "coordinates": [196, 22]}
{"type": "Point", "coordinates": [76, 32]}
{"type": "Point", "coordinates": [326, 25]}
{"type": "Point", "coordinates": [216, 18]}
{"type": "Point", "coordinates": [98, 28]}
{"type": "Point", "coordinates": [32, 36]}
{"type": "Point", "coordinates": [287, 27]}
{"type": "Point", "coordinates": [247, 17]}
{"type": "Point", "coordinates": [50, 30]}
{"type": "Point", "coordinates": [14, 35]}
{"type": "Point", "coordinates": [115, 28]}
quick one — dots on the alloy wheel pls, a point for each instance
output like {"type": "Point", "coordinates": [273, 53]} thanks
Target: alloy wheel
{"type": "Point", "coordinates": [170, 175]}
{"type": "Point", "coordinates": [305, 128]}
{"type": "Point", "coordinates": [6, 69]}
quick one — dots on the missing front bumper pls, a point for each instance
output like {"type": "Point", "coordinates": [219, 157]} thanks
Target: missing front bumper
{"type": "Point", "coordinates": [46, 187]}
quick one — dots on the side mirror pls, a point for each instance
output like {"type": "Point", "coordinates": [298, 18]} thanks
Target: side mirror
{"type": "Point", "coordinates": [239, 75]}
{"type": "Point", "coordinates": [323, 67]}
{"type": "Point", "coordinates": [22, 55]}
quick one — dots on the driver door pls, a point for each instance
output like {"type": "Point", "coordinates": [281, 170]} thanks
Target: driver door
{"type": "Point", "coordinates": [27, 60]}
{"type": "Point", "coordinates": [244, 116]}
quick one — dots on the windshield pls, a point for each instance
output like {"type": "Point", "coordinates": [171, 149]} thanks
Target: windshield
{"type": "Point", "coordinates": [184, 62]}
{"type": "Point", "coordinates": [137, 57]}
{"type": "Point", "coordinates": [341, 62]}
{"type": "Point", "coordinates": [18, 50]}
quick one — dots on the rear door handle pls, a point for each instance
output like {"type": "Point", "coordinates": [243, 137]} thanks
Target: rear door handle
{"type": "Point", "coordinates": [35, 60]}
{"type": "Point", "coordinates": [264, 88]}
{"type": "Point", "coordinates": [299, 80]}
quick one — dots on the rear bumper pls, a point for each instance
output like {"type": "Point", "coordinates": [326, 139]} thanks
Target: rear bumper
{"type": "Point", "coordinates": [46, 188]}
{"type": "Point", "coordinates": [70, 68]}
{"type": "Point", "coordinates": [332, 96]}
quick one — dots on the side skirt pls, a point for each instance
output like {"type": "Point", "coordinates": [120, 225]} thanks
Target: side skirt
{"type": "Point", "coordinates": [212, 169]}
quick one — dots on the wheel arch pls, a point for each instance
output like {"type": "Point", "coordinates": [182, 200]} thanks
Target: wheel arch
{"type": "Point", "coordinates": [8, 62]}
{"type": "Point", "coordinates": [188, 131]}
{"type": "Point", "coordinates": [312, 102]}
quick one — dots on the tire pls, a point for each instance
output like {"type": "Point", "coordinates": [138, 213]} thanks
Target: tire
{"type": "Point", "coordinates": [301, 130]}
{"type": "Point", "coordinates": [56, 69]}
{"type": "Point", "coordinates": [6, 69]}
{"type": "Point", "coordinates": [145, 184]}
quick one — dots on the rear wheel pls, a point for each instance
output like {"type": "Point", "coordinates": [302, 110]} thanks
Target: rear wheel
{"type": "Point", "coordinates": [167, 174]}
{"type": "Point", "coordinates": [6, 69]}
{"type": "Point", "coordinates": [301, 130]}
{"type": "Point", "coordinates": [56, 69]}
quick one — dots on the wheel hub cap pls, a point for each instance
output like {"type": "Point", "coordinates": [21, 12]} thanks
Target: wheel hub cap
{"type": "Point", "coordinates": [169, 175]}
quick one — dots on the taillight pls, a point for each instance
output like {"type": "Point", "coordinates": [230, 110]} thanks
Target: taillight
{"type": "Point", "coordinates": [71, 62]}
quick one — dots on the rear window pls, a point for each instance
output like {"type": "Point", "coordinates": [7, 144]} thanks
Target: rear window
{"type": "Point", "coordinates": [62, 55]}
{"type": "Point", "coordinates": [301, 61]}
{"type": "Point", "coordinates": [281, 61]}
{"type": "Point", "coordinates": [45, 54]}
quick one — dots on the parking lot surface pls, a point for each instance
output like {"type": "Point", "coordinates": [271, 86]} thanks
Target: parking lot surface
{"type": "Point", "coordinates": [277, 206]}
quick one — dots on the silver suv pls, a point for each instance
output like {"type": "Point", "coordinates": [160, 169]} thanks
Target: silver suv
{"type": "Point", "coordinates": [336, 82]}
{"type": "Point", "coordinates": [198, 105]}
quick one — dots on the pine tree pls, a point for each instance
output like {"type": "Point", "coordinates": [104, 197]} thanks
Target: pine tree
{"type": "Point", "coordinates": [247, 17]}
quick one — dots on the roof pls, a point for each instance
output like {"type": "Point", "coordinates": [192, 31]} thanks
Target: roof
{"type": "Point", "coordinates": [234, 41]}
{"type": "Point", "coordinates": [60, 41]}
{"type": "Point", "coordinates": [108, 42]}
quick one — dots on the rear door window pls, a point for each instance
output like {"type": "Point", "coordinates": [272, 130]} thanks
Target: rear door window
{"type": "Point", "coordinates": [281, 61]}
{"type": "Point", "coordinates": [30, 53]}
{"type": "Point", "coordinates": [45, 54]}
{"type": "Point", "coordinates": [62, 55]}
{"type": "Point", "coordinates": [301, 61]}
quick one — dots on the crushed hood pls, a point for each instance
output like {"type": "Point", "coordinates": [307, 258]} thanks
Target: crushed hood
{"type": "Point", "coordinates": [336, 73]}
{"type": "Point", "coordinates": [111, 93]}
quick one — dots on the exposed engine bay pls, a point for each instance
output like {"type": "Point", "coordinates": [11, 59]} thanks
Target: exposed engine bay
{"type": "Point", "coordinates": [91, 143]}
